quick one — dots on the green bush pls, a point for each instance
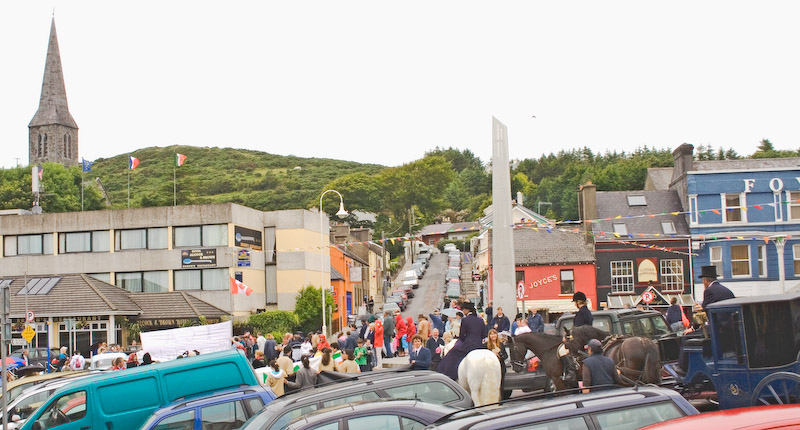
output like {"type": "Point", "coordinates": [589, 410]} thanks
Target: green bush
{"type": "Point", "coordinates": [309, 308]}
{"type": "Point", "coordinates": [275, 322]}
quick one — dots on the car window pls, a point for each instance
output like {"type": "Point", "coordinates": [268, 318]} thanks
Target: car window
{"type": "Point", "coordinates": [181, 421]}
{"type": "Point", "coordinates": [659, 326]}
{"type": "Point", "coordinates": [630, 328]}
{"type": "Point", "coordinates": [635, 417]}
{"type": "Point", "coordinates": [26, 406]}
{"type": "Point", "coordinates": [330, 426]}
{"type": "Point", "coordinates": [53, 415]}
{"type": "Point", "coordinates": [372, 422]}
{"type": "Point", "coordinates": [409, 424]}
{"type": "Point", "coordinates": [603, 322]}
{"type": "Point", "coordinates": [286, 418]}
{"type": "Point", "coordinates": [254, 403]}
{"type": "Point", "coordinates": [371, 395]}
{"type": "Point", "coordinates": [574, 423]}
{"type": "Point", "coordinates": [228, 415]}
{"type": "Point", "coordinates": [428, 392]}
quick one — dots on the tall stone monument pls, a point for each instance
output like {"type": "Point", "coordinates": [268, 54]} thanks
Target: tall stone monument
{"type": "Point", "coordinates": [504, 291]}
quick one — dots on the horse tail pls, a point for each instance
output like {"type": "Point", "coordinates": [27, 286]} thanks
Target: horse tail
{"type": "Point", "coordinates": [652, 364]}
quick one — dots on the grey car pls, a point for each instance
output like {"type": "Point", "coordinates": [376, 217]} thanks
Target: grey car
{"type": "Point", "coordinates": [422, 385]}
{"type": "Point", "coordinates": [390, 414]}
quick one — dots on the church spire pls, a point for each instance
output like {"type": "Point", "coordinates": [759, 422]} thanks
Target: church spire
{"type": "Point", "coordinates": [53, 133]}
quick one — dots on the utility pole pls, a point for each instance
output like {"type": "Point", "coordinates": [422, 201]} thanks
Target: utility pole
{"type": "Point", "coordinates": [5, 338]}
{"type": "Point", "coordinates": [410, 234]}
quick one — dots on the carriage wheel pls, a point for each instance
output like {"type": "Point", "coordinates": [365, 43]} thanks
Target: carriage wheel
{"type": "Point", "coordinates": [780, 388]}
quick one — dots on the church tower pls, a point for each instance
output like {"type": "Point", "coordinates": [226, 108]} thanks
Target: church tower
{"type": "Point", "coordinates": [53, 133]}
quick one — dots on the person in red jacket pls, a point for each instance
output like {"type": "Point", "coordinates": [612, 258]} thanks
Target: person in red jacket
{"type": "Point", "coordinates": [400, 330]}
{"type": "Point", "coordinates": [377, 344]}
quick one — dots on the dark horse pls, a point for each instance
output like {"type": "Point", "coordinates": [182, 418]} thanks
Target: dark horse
{"type": "Point", "coordinates": [545, 346]}
{"type": "Point", "coordinates": [637, 357]}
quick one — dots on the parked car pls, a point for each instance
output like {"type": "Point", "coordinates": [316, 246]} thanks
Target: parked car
{"type": "Point", "coordinates": [17, 386]}
{"type": "Point", "coordinates": [621, 408]}
{"type": "Point", "coordinates": [392, 307]}
{"type": "Point", "coordinates": [105, 361]}
{"type": "Point", "coordinates": [425, 386]}
{"type": "Point", "coordinates": [408, 289]}
{"type": "Point", "coordinates": [225, 409]}
{"type": "Point", "coordinates": [777, 417]}
{"type": "Point", "coordinates": [403, 297]}
{"type": "Point", "coordinates": [452, 273]}
{"type": "Point", "coordinates": [26, 402]}
{"type": "Point", "coordinates": [411, 278]}
{"type": "Point", "coordinates": [632, 322]}
{"type": "Point", "coordinates": [390, 414]}
{"type": "Point", "coordinates": [398, 301]}
{"type": "Point", "coordinates": [38, 355]}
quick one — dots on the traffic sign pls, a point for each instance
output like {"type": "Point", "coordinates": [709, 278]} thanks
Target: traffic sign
{"type": "Point", "coordinates": [29, 316]}
{"type": "Point", "coordinates": [521, 290]}
{"type": "Point", "coordinates": [28, 333]}
{"type": "Point", "coordinates": [648, 296]}
{"type": "Point", "coordinates": [18, 342]}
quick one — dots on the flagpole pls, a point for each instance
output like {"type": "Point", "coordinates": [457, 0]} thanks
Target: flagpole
{"type": "Point", "coordinates": [174, 184]}
{"type": "Point", "coordinates": [129, 188]}
{"type": "Point", "coordinates": [83, 174]}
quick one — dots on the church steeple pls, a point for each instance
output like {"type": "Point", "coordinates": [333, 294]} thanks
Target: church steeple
{"type": "Point", "coordinates": [53, 133]}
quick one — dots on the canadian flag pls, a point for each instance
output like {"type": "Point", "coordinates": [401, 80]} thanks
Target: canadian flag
{"type": "Point", "coordinates": [238, 287]}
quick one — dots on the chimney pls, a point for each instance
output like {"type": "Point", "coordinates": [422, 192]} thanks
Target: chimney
{"type": "Point", "coordinates": [684, 159]}
{"type": "Point", "coordinates": [520, 198]}
{"type": "Point", "coordinates": [587, 207]}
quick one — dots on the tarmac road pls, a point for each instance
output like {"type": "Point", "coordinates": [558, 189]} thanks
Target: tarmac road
{"type": "Point", "coordinates": [430, 293]}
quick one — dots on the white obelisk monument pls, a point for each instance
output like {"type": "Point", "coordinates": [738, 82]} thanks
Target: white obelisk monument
{"type": "Point", "coordinates": [504, 290]}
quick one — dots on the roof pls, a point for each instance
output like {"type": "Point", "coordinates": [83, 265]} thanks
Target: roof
{"type": "Point", "coordinates": [447, 227]}
{"type": "Point", "coordinates": [614, 204]}
{"type": "Point", "coordinates": [519, 214]}
{"type": "Point", "coordinates": [738, 301]}
{"type": "Point", "coordinates": [336, 275]}
{"type": "Point", "coordinates": [53, 107]}
{"type": "Point", "coordinates": [658, 178]}
{"type": "Point", "coordinates": [176, 304]}
{"type": "Point", "coordinates": [533, 248]}
{"type": "Point", "coordinates": [744, 164]}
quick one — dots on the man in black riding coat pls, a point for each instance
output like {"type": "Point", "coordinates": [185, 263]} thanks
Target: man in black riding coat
{"type": "Point", "coordinates": [584, 315]}
{"type": "Point", "coordinates": [714, 292]}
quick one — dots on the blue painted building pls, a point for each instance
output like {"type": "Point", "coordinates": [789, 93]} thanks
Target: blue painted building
{"type": "Point", "coordinates": [744, 218]}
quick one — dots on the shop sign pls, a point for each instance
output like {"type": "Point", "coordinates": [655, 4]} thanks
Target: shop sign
{"type": "Point", "coordinates": [647, 270]}
{"type": "Point", "coordinates": [243, 258]}
{"type": "Point", "coordinates": [198, 258]}
{"type": "Point", "coordinates": [247, 238]}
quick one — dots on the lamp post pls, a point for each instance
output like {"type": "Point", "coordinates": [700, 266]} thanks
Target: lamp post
{"type": "Point", "coordinates": [341, 214]}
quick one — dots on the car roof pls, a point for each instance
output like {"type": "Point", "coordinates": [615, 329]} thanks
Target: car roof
{"type": "Point", "coordinates": [43, 378]}
{"type": "Point", "coordinates": [752, 418]}
{"type": "Point", "coordinates": [521, 408]}
{"type": "Point", "coordinates": [215, 397]}
{"type": "Point", "coordinates": [411, 407]}
{"type": "Point", "coordinates": [755, 299]}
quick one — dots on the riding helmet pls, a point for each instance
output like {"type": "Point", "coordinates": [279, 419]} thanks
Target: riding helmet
{"type": "Point", "coordinates": [578, 296]}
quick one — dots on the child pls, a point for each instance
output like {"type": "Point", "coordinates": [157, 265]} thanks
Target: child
{"type": "Point", "coordinates": [361, 355]}
{"type": "Point", "coordinates": [349, 365]}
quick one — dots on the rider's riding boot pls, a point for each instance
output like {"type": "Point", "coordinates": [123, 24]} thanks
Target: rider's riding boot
{"type": "Point", "coordinates": [570, 373]}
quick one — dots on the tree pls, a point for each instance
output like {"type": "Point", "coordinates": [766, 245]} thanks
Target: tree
{"type": "Point", "coordinates": [309, 308]}
{"type": "Point", "coordinates": [416, 184]}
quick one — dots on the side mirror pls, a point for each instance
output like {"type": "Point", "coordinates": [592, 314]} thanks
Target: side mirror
{"type": "Point", "coordinates": [15, 418]}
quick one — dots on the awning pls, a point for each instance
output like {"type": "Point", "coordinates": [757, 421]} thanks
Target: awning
{"type": "Point", "coordinates": [552, 306]}
{"type": "Point", "coordinates": [619, 301]}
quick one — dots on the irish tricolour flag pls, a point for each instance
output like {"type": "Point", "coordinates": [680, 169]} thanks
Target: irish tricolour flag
{"type": "Point", "coordinates": [238, 287]}
{"type": "Point", "coordinates": [179, 160]}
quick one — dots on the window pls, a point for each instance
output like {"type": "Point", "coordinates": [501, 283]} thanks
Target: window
{"type": "Point", "coordinates": [693, 210]}
{"type": "Point", "coordinates": [144, 282]}
{"type": "Point", "coordinates": [207, 235]}
{"type": "Point", "coordinates": [794, 204]}
{"type": "Point", "coordinates": [573, 423]}
{"type": "Point", "coordinates": [762, 260]}
{"type": "Point", "coordinates": [181, 421]}
{"type": "Point", "coordinates": [796, 257]}
{"type": "Point", "coordinates": [519, 275]}
{"type": "Point", "coordinates": [668, 227]}
{"type": "Point", "coordinates": [29, 244]}
{"type": "Point", "coordinates": [105, 276]}
{"type": "Point", "coordinates": [622, 276]}
{"type": "Point", "coordinates": [369, 395]}
{"type": "Point", "coordinates": [776, 203]}
{"type": "Point", "coordinates": [385, 422]}
{"type": "Point", "coordinates": [715, 258]}
{"type": "Point", "coordinates": [672, 275]}
{"type": "Point", "coordinates": [157, 238]}
{"type": "Point", "coordinates": [150, 238]}
{"type": "Point", "coordinates": [567, 281]}
{"type": "Point", "coordinates": [429, 392]}
{"type": "Point", "coordinates": [740, 260]}
{"type": "Point", "coordinates": [205, 279]}
{"type": "Point", "coordinates": [733, 207]}
{"type": "Point", "coordinates": [620, 228]}
{"type": "Point", "coordinates": [59, 411]}
{"type": "Point", "coordinates": [228, 415]}
{"type": "Point", "coordinates": [637, 416]}
{"type": "Point", "coordinates": [636, 200]}
{"type": "Point", "coordinates": [84, 241]}
{"type": "Point", "coordinates": [728, 334]}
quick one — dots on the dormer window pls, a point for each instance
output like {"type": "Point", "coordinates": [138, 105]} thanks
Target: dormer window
{"type": "Point", "coordinates": [667, 227]}
{"type": "Point", "coordinates": [620, 228]}
{"type": "Point", "coordinates": [636, 200]}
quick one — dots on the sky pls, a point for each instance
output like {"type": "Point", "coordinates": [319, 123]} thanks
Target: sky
{"type": "Point", "coordinates": [385, 82]}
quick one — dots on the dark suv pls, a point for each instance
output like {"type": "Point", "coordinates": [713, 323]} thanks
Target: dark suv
{"type": "Point", "coordinates": [632, 322]}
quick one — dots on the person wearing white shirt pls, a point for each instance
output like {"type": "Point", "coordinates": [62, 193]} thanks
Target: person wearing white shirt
{"type": "Point", "coordinates": [522, 327]}
{"type": "Point", "coordinates": [77, 362]}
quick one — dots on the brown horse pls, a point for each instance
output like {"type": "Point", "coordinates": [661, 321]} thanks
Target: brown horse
{"type": "Point", "coordinates": [545, 346]}
{"type": "Point", "coordinates": [637, 357]}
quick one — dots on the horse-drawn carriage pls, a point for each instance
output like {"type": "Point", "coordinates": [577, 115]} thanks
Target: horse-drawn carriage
{"type": "Point", "coordinates": [750, 355]}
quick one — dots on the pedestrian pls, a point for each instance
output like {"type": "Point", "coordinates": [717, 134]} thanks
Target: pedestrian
{"type": "Point", "coordinates": [260, 341]}
{"type": "Point", "coordinates": [326, 364]}
{"type": "Point", "coordinates": [370, 304]}
{"type": "Point", "coordinates": [361, 355]}
{"type": "Point", "coordinates": [489, 311]}
{"type": "Point", "coordinates": [436, 320]}
{"type": "Point", "coordinates": [423, 327]}
{"type": "Point", "coordinates": [285, 360]}
{"type": "Point", "coordinates": [674, 316]}
{"type": "Point", "coordinates": [714, 291]}
{"type": "Point", "coordinates": [118, 364]}
{"type": "Point", "coordinates": [515, 323]}
{"type": "Point", "coordinates": [494, 343]}
{"type": "Point", "coordinates": [419, 356]}
{"type": "Point", "coordinates": [259, 360]}
{"type": "Point", "coordinates": [378, 343]}
{"type": "Point", "coordinates": [471, 335]}
{"type": "Point", "coordinates": [535, 321]}
{"type": "Point", "coordinates": [522, 328]}
{"type": "Point", "coordinates": [388, 332]}
{"type": "Point", "coordinates": [584, 315]}
{"type": "Point", "coordinates": [400, 335]}
{"type": "Point", "coordinates": [349, 365]}
{"type": "Point", "coordinates": [435, 345]}
{"type": "Point", "coordinates": [500, 322]}
{"type": "Point", "coordinates": [276, 379]}
{"type": "Point", "coordinates": [305, 376]}
{"type": "Point", "coordinates": [598, 370]}
{"type": "Point", "coordinates": [306, 348]}
{"type": "Point", "coordinates": [133, 360]}
{"type": "Point", "coordinates": [146, 359]}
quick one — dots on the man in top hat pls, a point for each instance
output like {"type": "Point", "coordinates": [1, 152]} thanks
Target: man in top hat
{"type": "Point", "coordinates": [715, 292]}
{"type": "Point", "coordinates": [470, 337]}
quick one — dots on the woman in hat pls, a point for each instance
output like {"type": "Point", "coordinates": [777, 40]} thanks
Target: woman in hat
{"type": "Point", "coordinates": [470, 338]}
{"type": "Point", "coordinates": [584, 315]}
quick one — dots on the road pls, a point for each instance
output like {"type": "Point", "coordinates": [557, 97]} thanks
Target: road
{"type": "Point", "coordinates": [429, 295]}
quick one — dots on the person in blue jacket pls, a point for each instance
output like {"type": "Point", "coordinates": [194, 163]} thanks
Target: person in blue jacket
{"type": "Point", "coordinates": [500, 322]}
{"type": "Point", "coordinates": [419, 356]}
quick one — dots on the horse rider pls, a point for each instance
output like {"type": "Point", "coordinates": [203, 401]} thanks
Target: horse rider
{"type": "Point", "coordinates": [584, 315]}
{"type": "Point", "coordinates": [714, 292]}
{"type": "Point", "coordinates": [473, 330]}
{"type": "Point", "coordinates": [597, 368]}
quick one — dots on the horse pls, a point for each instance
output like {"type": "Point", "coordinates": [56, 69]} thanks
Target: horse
{"type": "Point", "coordinates": [545, 346]}
{"type": "Point", "coordinates": [636, 357]}
{"type": "Point", "coordinates": [479, 374]}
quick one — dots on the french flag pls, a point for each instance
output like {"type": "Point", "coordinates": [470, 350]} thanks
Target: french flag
{"type": "Point", "coordinates": [133, 162]}
{"type": "Point", "coordinates": [237, 287]}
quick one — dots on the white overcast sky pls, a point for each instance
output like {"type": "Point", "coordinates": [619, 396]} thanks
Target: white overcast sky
{"type": "Point", "coordinates": [384, 82]}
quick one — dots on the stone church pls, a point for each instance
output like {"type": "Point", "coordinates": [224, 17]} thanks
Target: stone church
{"type": "Point", "coordinates": [53, 133]}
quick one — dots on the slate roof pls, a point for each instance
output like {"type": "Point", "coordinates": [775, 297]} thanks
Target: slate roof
{"type": "Point", "coordinates": [658, 178]}
{"type": "Point", "coordinates": [447, 227]}
{"type": "Point", "coordinates": [336, 275]}
{"type": "Point", "coordinates": [83, 295]}
{"type": "Point", "coordinates": [611, 204]}
{"type": "Point", "coordinates": [745, 164]}
{"type": "Point", "coordinates": [538, 248]}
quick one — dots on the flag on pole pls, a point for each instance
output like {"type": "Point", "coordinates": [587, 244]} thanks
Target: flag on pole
{"type": "Point", "coordinates": [238, 287]}
{"type": "Point", "coordinates": [87, 165]}
{"type": "Point", "coordinates": [179, 160]}
{"type": "Point", "coordinates": [133, 162]}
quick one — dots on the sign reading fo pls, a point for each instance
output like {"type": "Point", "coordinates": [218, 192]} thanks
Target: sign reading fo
{"type": "Point", "coordinates": [198, 258]}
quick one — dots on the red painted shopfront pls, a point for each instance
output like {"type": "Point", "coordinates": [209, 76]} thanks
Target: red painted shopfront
{"type": "Point", "coordinates": [551, 287]}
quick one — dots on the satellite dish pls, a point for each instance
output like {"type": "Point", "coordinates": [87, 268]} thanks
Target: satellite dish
{"type": "Point", "coordinates": [36, 209]}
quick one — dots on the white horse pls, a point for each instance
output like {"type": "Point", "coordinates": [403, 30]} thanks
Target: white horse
{"type": "Point", "coordinates": [479, 374]}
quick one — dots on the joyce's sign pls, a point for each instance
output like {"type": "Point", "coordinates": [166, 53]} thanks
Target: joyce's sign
{"type": "Point", "coordinates": [198, 258]}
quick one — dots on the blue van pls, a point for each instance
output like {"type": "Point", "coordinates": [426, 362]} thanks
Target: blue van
{"type": "Point", "coordinates": [125, 399]}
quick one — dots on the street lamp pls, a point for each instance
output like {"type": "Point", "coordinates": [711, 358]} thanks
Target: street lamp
{"type": "Point", "coordinates": [323, 216]}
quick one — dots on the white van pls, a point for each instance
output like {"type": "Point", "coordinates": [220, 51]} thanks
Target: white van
{"type": "Point", "coordinates": [410, 278]}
